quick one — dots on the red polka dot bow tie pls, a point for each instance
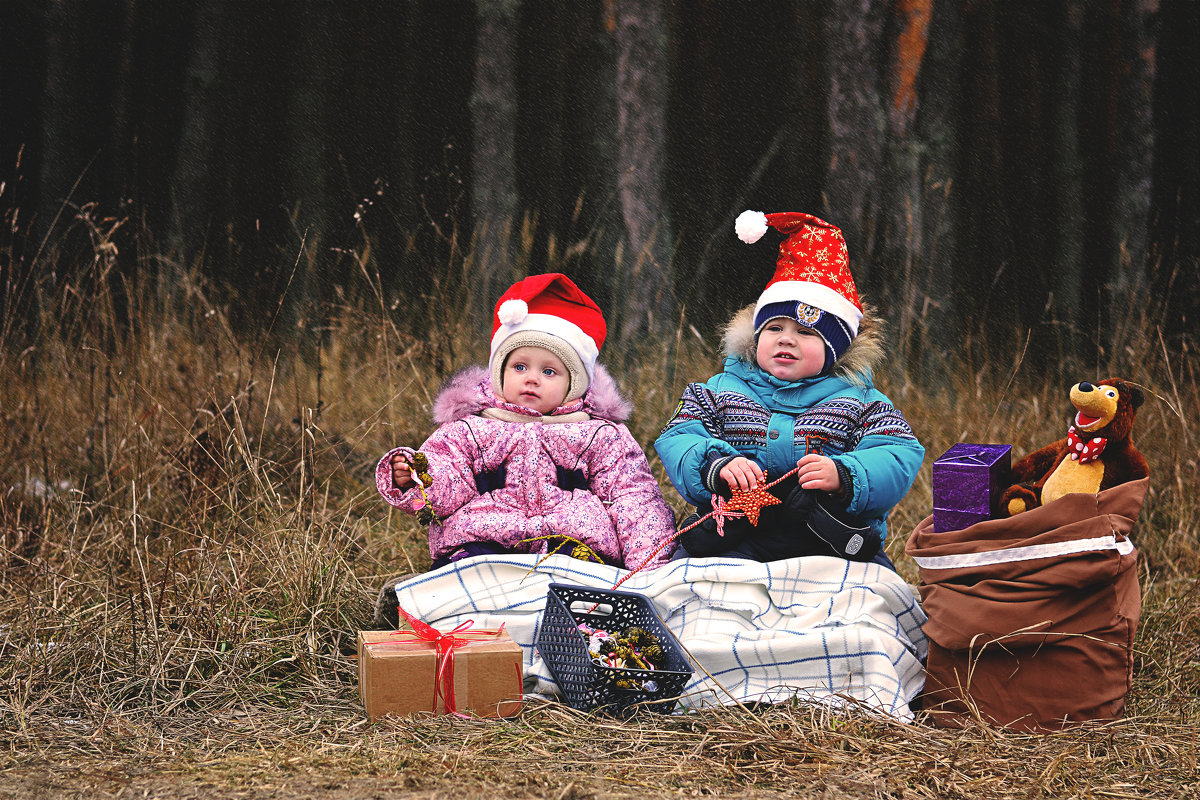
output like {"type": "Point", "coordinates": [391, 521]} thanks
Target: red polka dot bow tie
{"type": "Point", "coordinates": [1081, 451]}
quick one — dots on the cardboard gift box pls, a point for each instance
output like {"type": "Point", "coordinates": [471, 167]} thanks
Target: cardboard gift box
{"type": "Point", "coordinates": [967, 482]}
{"type": "Point", "coordinates": [403, 674]}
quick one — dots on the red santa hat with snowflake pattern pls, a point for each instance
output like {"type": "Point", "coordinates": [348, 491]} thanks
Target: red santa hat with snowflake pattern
{"type": "Point", "coordinates": [548, 311]}
{"type": "Point", "coordinates": [812, 283]}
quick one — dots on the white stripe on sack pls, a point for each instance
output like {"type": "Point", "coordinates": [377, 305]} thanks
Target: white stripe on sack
{"type": "Point", "coordinates": [1026, 553]}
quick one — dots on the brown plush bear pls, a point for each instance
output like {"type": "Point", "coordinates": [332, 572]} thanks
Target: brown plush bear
{"type": "Point", "coordinates": [1097, 454]}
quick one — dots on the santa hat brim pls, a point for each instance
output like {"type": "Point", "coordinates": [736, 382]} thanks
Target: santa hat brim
{"type": "Point", "coordinates": [532, 330]}
{"type": "Point", "coordinates": [814, 294]}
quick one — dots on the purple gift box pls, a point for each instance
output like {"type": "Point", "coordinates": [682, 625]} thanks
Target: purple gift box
{"type": "Point", "coordinates": [967, 482]}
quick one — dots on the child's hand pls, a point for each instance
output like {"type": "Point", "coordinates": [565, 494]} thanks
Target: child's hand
{"type": "Point", "coordinates": [741, 473]}
{"type": "Point", "coordinates": [402, 473]}
{"type": "Point", "coordinates": [818, 472]}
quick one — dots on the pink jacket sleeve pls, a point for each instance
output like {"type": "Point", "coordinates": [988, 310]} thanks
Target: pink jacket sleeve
{"type": "Point", "coordinates": [621, 478]}
{"type": "Point", "coordinates": [450, 466]}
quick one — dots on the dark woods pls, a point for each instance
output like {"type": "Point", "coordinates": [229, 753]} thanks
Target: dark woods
{"type": "Point", "coordinates": [1002, 170]}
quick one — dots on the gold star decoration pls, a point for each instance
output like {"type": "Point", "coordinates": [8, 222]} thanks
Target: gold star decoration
{"type": "Point", "coordinates": [750, 502]}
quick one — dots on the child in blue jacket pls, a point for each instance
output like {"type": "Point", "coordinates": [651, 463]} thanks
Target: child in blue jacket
{"type": "Point", "coordinates": [796, 393]}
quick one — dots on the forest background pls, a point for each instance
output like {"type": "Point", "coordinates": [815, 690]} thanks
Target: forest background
{"type": "Point", "coordinates": [245, 242]}
{"type": "Point", "coordinates": [998, 168]}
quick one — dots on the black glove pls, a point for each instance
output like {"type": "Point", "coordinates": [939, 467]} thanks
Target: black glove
{"type": "Point", "coordinates": [798, 504]}
{"type": "Point", "coordinates": [838, 534]}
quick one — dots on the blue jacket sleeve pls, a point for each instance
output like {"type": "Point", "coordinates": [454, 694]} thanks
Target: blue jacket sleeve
{"type": "Point", "coordinates": [691, 442]}
{"type": "Point", "coordinates": [884, 463]}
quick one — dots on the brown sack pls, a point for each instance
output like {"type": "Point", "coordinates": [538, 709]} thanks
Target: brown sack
{"type": "Point", "coordinates": [1032, 618]}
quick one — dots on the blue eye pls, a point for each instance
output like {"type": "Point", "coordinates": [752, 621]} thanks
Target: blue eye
{"type": "Point", "coordinates": [549, 372]}
{"type": "Point", "coordinates": [518, 367]}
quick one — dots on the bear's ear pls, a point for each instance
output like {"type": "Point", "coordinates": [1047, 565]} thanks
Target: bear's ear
{"type": "Point", "coordinates": [1136, 398]}
{"type": "Point", "coordinates": [1134, 393]}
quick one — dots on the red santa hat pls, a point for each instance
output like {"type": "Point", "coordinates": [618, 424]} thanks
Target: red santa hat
{"type": "Point", "coordinates": [812, 282]}
{"type": "Point", "coordinates": [548, 311]}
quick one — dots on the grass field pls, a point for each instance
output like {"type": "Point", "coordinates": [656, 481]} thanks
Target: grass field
{"type": "Point", "coordinates": [191, 538]}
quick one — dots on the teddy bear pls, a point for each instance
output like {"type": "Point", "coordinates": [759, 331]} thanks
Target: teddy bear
{"type": "Point", "coordinates": [1097, 454]}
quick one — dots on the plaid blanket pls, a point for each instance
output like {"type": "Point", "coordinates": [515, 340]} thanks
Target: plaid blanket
{"type": "Point", "coordinates": [815, 628]}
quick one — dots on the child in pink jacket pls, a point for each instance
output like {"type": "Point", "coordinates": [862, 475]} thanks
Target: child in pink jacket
{"type": "Point", "coordinates": [531, 455]}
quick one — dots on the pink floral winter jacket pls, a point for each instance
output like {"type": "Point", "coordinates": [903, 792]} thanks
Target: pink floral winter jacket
{"type": "Point", "coordinates": [505, 474]}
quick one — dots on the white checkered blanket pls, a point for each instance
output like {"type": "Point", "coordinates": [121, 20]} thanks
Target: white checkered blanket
{"type": "Point", "coordinates": [816, 628]}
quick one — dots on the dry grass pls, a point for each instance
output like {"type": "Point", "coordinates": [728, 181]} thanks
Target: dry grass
{"type": "Point", "coordinates": [191, 537]}
{"type": "Point", "coordinates": [551, 751]}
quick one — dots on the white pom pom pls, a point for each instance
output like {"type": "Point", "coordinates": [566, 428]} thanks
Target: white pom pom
{"type": "Point", "coordinates": [512, 312]}
{"type": "Point", "coordinates": [750, 226]}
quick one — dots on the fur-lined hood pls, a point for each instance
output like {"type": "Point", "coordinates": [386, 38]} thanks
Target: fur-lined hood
{"type": "Point", "coordinates": [470, 391]}
{"type": "Point", "coordinates": [855, 366]}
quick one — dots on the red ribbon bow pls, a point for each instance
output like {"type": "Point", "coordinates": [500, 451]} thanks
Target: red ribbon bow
{"type": "Point", "coordinates": [719, 513]}
{"type": "Point", "coordinates": [1081, 451]}
{"type": "Point", "coordinates": [444, 645]}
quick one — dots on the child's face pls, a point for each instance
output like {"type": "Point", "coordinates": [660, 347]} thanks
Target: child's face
{"type": "Point", "coordinates": [535, 378]}
{"type": "Point", "coordinates": [790, 351]}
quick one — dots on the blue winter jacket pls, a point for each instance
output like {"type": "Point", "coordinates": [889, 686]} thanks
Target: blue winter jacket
{"type": "Point", "coordinates": [747, 411]}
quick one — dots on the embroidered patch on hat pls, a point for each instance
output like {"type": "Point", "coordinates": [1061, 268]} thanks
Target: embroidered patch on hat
{"type": "Point", "coordinates": [806, 314]}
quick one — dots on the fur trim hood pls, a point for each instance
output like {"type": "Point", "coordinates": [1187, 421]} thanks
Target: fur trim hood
{"type": "Point", "coordinates": [470, 391]}
{"type": "Point", "coordinates": [855, 366]}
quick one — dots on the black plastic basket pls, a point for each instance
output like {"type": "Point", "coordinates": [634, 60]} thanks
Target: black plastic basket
{"type": "Point", "coordinates": [587, 684]}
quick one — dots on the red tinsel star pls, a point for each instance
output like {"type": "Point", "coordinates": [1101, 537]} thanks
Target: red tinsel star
{"type": "Point", "coordinates": [751, 501]}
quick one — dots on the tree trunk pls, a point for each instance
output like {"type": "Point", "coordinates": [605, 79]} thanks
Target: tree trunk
{"type": "Point", "coordinates": [857, 126]}
{"type": "Point", "coordinates": [645, 280]}
{"type": "Point", "coordinates": [595, 107]}
{"type": "Point", "coordinates": [900, 242]}
{"type": "Point", "coordinates": [1067, 207]}
{"type": "Point", "coordinates": [61, 164]}
{"type": "Point", "coordinates": [307, 161]}
{"type": "Point", "coordinates": [1129, 219]}
{"type": "Point", "coordinates": [939, 318]}
{"type": "Point", "coordinates": [121, 144]}
{"type": "Point", "coordinates": [401, 196]}
{"type": "Point", "coordinates": [494, 140]}
{"type": "Point", "coordinates": [984, 234]}
{"type": "Point", "coordinates": [193, 184]}
{"type": "Point", "coordinates": [1176, 204]}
